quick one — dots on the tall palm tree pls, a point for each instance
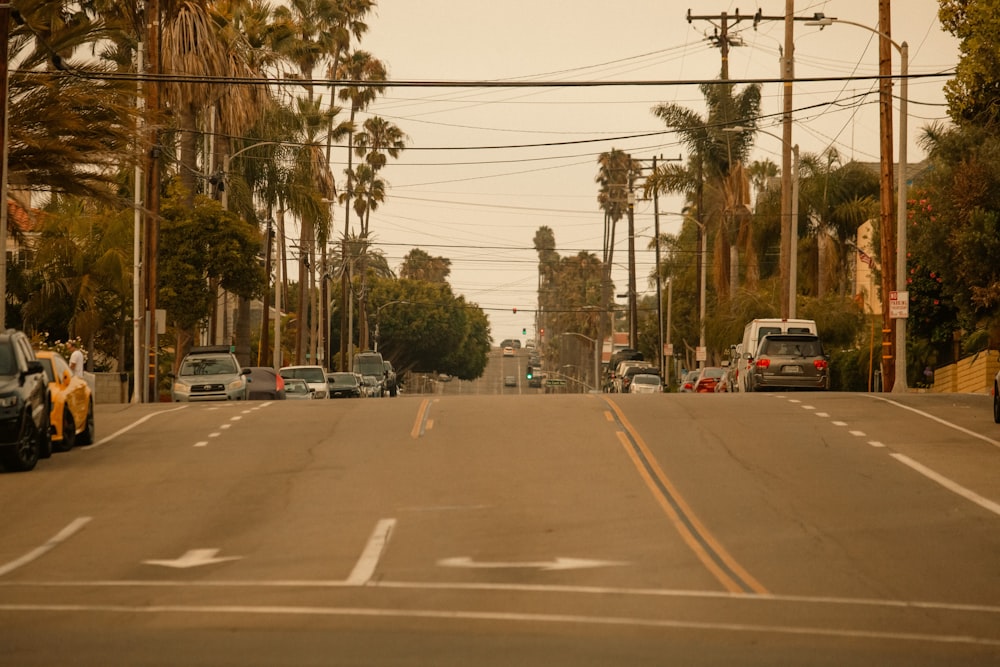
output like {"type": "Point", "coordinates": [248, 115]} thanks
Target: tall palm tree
{"type": "Point", "coordinates": [616, 173]}
{"type": "Point", "coordinates": [719, 141]}
{"type": "Point", "coordinates": [368, 75]}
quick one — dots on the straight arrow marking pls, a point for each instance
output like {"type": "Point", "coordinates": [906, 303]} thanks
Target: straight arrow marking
{"type": "Point", "coordinates": [550, 565]}
{"type": "Point", "coordinates": [193, 558]}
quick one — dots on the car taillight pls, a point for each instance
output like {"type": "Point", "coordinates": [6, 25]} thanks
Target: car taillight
{"type": "Point", "coordinates": [821, 364]}
{"type": "Point", "coordinates": [279, 383]}
{"type": "Point", "coordinates": [763, 363]}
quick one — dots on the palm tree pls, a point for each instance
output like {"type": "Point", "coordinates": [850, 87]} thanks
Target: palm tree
{"type": "Point", "coordinates": [368, 75]}
{"type": "Point", "coordinates": [616, 174]}
{"type": "Point", "coordinates": [719, 142]}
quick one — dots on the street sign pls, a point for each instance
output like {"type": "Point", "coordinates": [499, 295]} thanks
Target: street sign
{"type": "Point", "coordinates": [555, 382]}
{"type": "Point", "coordinates": [899, 305]}
{"type": "Point", "coordinates": [668, 349]}
{"type": "Point", "coordinates": [701, 354]}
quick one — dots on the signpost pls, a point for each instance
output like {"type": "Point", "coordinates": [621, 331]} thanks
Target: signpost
{"type": "Point", "coordinates": [899, 305]}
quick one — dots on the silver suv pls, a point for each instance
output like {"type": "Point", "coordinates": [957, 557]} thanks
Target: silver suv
{"type": "Point", "coordinates": [210, 374]}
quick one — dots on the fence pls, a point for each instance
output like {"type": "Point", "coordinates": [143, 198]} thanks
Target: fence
{"type": "Point", "coordinates": [972, 375]}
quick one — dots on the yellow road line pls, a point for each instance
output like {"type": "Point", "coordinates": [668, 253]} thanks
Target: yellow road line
{"type": "Point", "coordinates": [421, 415]}
{"type": "Point", "coordinates": [702, 543]}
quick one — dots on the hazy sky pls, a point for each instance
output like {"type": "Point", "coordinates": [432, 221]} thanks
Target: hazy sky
{"type": "Point", "coordinates": [485, 168]}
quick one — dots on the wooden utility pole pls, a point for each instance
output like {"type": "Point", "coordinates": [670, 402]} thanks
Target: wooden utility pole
{"type": "Point", "coordinates": [4, 138]}
{"type": "Point", "coordinates": [887, 232]}
{"type": "Point", "coordinates": [152, 229]}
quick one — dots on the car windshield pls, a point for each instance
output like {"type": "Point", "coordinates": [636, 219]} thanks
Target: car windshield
{"type": "Point", "coordinates": [646, 378]}
{"type": "Point", "coordinates": [714, 373]}
{"type": "Point", "coordinates": [208, 366]}
{"type": "Point", "coordinates": [344, 379]}
{"type": "Point", "coordinates": [296, 386]}
{"type": "Point", "coordinates": [307, 374]}
{"type": "Point", "coordinates": [792, 348]}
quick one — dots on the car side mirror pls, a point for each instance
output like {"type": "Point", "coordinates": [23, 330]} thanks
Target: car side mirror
{"type": "Point", "coordinates": [245, 371]}
{"type": "Point", "coordinates": [34, 366]}
{"type": "Point", "coordinates": [66, 377]}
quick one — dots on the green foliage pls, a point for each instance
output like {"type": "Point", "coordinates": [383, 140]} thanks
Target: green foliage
{"type": "Point", "coordinates": [428, 328]}
{"type": "Point", "coordinates": [973, 95]}
{"type": "Point", "coordinates": [199, 248]}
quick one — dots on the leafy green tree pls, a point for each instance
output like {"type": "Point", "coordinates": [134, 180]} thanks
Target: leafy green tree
{"type": "Point", "coordinates": [69, 134]}
{"type": "Point", "coordinates": [207, 244]}
{"type": "Point", "coordinates": [428, 328]}
{"type": "Point", "coordinates": [420, 265]}
{"type": "Point", "coordinates": [973, 94]}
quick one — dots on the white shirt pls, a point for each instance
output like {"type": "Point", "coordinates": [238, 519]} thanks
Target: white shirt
{"type": "Point", "coordinates": [76, 363]}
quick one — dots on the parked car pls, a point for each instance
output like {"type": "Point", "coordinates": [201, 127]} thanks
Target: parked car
{"type": "Point", "coordinates": [315, 377]}
{"type": "Point", "coordinates": [996, 398]}
{"type": "Point", "coordinates": [789, 361]}
{"type": "Point", "coordinates": [624, 375]}
{"type": "Point", "coordinates": [708, 378]}
{"type": "Point", "coordinates": [371, 386]}
{"type": "Point", "coordinates": [71, 403]}
{"type": "Point", "coordinates": [25, 424]}
{"type": "Point", "coordinates": [265, 384]}
{"type": "Point", "coordinates": [645, 383]}
{"type": "Point", "coordinates": [343, 385]}
{"type": "Point", "coordinates": [210, 373]}
{"type": "Point", "coordinates": [687, 382]}
{"type": "Point", "coordinates": [371, 364]}
{"type": "Point", "coordinates": [390, 378]}
{"type": "Point", "coordinates": [297, 389]}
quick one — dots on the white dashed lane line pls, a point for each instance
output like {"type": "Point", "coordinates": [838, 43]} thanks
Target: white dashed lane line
{"type": "Point", "coordinates": [930, 474]}
{"type": "Point", "coordinates": [233, 419]}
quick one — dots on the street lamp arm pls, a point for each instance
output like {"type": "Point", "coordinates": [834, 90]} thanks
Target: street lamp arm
{"type": "Point", "coordinates": [825, 21]}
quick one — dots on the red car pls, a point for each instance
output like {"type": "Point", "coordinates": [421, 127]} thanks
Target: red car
{"type": "Point", "coordinates": [708, 378]}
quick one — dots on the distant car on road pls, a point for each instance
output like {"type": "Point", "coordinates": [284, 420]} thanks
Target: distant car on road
{"type": "Point", "coordinates": [645, 383]}
{"type": "Point", "coordinates": [508, 351]}
{"type": "Point", "coordinates": [708, 378]}
{"type": "Point", "coordinates": [266, 384]}
{"type": "Point", "coordinates": [210, 373]}
{"type": "Point", "coordinates": [344, 385]}
{"type": "Point", "coordinates": [687, 382]}
{"type": "Point", "coordinates": [315, 377]}
{"type": "Point", "coordinates": [297, 389]}
{"type": "Point", "coordinates": [789, 361]}
{"type": "Point", "coordinates": [510, 381]}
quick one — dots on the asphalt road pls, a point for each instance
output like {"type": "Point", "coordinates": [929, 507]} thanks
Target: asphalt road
{"type": "Point", "coordinates": [513, 528]}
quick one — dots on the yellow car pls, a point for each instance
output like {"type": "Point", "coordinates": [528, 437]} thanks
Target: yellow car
{"type": "Point", "coordinates": [72, 403]}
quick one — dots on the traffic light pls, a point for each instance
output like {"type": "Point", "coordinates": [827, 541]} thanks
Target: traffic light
{"type": "Point", "coordinates": [515, 310]}
{"type": "Point", "coordinates": [529, 373]}
{"type": "Point", "coordinates": [524, 332]}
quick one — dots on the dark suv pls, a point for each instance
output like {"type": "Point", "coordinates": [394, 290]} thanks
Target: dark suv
{"type": "Point", "coordinates": [25, 434]}
{"type": "Point", "coordinates": [789, 361]}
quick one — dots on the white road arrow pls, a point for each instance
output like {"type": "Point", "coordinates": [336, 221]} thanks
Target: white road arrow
{"type": "Point", "coordinates": [557, 564]}
{"type": "Point", "coordinates": [193, 558]}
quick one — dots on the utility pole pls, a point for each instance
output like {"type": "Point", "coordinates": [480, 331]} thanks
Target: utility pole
{"type": "Point", "coordinates": [4, 112]}
{"type": "Point", "coordinates": [887, 234]}
{"type": "Point", "coordinates": [787, 76]}
{"type": "Point", "coordinates": [152, 195]}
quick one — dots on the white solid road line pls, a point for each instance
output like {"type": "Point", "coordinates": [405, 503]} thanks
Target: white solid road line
{"type": "Point", "coordinates": [365, 567]}
{"type": "Point", "coordinates": [954, 487]}
{"type": "Point", "coordinates": [979, 436]}
{"type": "Point", "coordinates": [104, 441]}
{"type": "Point", "coordinates": [57, 539]}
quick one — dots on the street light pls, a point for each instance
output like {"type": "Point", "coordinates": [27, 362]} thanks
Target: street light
{"type": "Point", "coordinates": [899, 382]}
{"type": "Point", "coordinates": [597, 355]}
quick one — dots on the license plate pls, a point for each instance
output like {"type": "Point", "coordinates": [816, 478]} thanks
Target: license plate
{"type": "Point", "coordinates": [791, 370]}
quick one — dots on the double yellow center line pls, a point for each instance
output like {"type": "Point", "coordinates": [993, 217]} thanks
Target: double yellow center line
{"type": "Point", "coordinates": [708, 550]}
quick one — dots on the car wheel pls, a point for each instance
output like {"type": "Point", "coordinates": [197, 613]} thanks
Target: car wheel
{"type": "Point", "coordinates": [43, 433]}
{"type": "Point", "coordinates": [68, 432]}
{"type": "Point", "coordinates": [87, 437]}
{"type": "Point", "coordinates": [23, 455]}
{"type": "Point", "coordinates": [996, 404]}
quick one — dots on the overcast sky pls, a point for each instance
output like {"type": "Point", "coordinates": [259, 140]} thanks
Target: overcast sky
{"type": "Point", "coordinates": [485, 168]}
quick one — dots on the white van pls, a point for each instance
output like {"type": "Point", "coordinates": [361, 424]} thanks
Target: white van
{"type": "Point", "coordinates": [752, 333]}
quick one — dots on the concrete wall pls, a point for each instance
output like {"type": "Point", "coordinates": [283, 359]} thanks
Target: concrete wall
{"type": "Point", "coordinates": [972, 375]}
{"type": "Point", "coordinates": [109, 387]}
